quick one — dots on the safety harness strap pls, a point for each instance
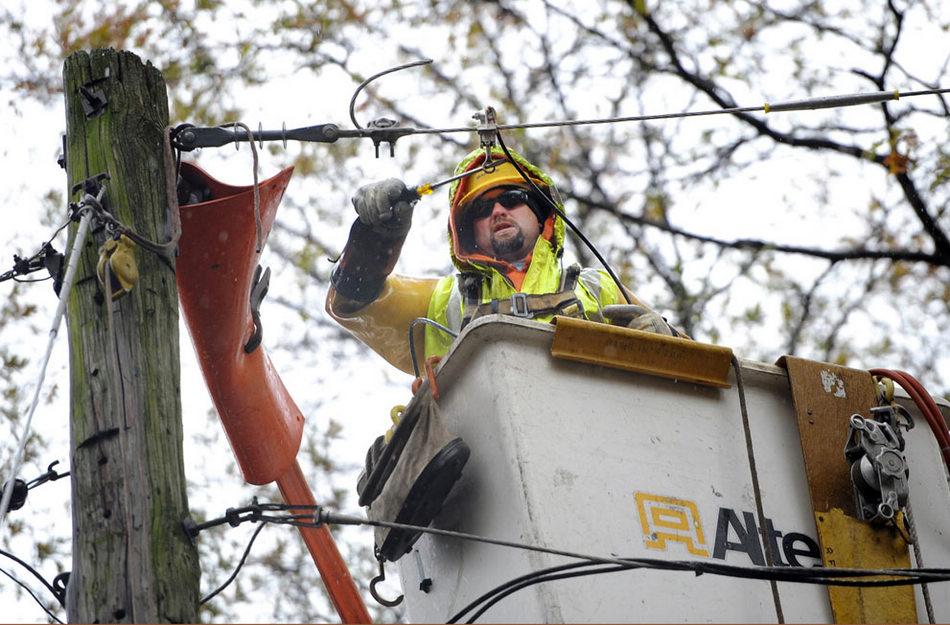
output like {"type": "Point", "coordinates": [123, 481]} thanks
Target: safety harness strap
{"type": "Point", "coordinates": [529, 306]}
{"type": "Point", "coordinates": [524, 305]}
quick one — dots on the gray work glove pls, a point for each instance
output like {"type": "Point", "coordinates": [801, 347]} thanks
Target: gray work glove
{"type": "Point", "coordinates": [380, 207]}
{"type": "Point", "coordinates": [637, 318]}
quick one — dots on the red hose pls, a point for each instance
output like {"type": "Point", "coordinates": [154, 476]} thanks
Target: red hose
{"type": "Point", "coordinates": [926, 405]}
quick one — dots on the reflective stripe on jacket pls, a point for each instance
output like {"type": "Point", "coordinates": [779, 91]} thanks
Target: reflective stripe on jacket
{"type": "Point", "coordinates": [383, 324]}
{"type": "Point", "coordinates": [593, 289]}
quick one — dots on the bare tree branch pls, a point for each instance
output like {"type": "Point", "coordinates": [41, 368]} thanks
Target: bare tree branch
{"type": "Point", "coordinates": [831, 340]}
{"type": "Point", "coordinates": [760, 245]}
{"type": "Point", "coordinates": [806, 299]}
{"type": "Point", "coordinates": [722, 98]}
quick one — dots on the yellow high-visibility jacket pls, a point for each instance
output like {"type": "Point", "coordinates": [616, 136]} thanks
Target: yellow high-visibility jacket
{"type": "Point", "coordinates": [383, 324]}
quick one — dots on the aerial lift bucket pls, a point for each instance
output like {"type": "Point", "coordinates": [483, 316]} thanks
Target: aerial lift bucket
{"type": "Point", "coordinates": [216, 276]}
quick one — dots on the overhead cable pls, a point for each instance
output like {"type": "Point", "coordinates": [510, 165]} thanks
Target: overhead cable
{"type": "Point", "coordinates": [560, 213]}
{"type": "Point", "coordinates": [809, 575]}
{"type": "Point", "coordinates": [231, 578]}
{"type": "Point", "coordinates": [315, 515]}
{"type": "Point", "coordinates": [68, 279]}
{"type": "Point", "coordinates": [50, 587]}
{"type": "Point", "coordinates": [809, 104]}
{"type": "Point", "coordinates": [32, 594]}
{"type": "Point", "coordinates": [188, 137]}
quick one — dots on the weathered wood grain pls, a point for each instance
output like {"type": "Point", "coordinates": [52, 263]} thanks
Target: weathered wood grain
{"type": "Point", "coordinates": [132, 562]}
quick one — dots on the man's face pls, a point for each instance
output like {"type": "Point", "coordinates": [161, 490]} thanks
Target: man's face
{"type": "Point", "coordinates": [507, 233]}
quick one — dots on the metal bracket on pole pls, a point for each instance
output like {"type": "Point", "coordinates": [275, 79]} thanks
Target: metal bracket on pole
{"type": "Point", "coordinates": [94, 99]}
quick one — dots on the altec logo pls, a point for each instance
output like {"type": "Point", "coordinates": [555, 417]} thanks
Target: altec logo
{"type": "Point", "coordinates": [667, 520]}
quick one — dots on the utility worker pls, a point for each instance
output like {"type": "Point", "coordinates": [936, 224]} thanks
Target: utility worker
{"type": "Point", "coordinates": [507, 244]}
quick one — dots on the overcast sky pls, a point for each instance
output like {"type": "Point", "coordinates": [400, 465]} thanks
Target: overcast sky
{"type": "Point", "coordinates": [28, 169]}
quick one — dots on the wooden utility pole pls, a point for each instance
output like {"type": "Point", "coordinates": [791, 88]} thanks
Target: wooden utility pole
{"type": "Point", "coordinates": [132, 561]}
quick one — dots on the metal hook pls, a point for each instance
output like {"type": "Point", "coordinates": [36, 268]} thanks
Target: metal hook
{"type": "Point", "coordinates": [259, 286]}
{"type": "Point", "coordinates": [374, 77]}
{"type": "Point", "coordinates": [372, 588]}
{"type": "Point", "coordinates": [50, 476]}
{"type": "Point", "coordinates": [60, 585]}
{"type": "Point", "coordinates": [904, 418]}
{"type": "Point", "coordinates": [487, 133]}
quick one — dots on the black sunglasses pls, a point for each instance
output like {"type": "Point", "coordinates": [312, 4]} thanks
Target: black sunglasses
{"type": "Point", "coordinates": [482, 207]}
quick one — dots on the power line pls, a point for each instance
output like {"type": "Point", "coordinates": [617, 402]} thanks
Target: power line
{"type": "Point", "coordinates": [580, 569]}
{"type": "Point", "coordinates": [44, 258]}
{"type": "Point", "coordinates": [836, 101]}
{"type": "Point", "coordinates": [316, 516]}
{"type": "Point", "coordinates": [35, 574]}
{"type": "Point", "coordinates": [68, 279]}
{"type": "Point", "coordinates": [237, 570]}
{"type": "Point", "coordinates": [810, 575]}
{"type": "Point", "coordinates": [32, 594]}
{"type": "Point", "coordinates": [560, 213]}
{"type": "Point", "coordinates": [188, 137]}
{"type": "Point", "coordinates": [501, 591]}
